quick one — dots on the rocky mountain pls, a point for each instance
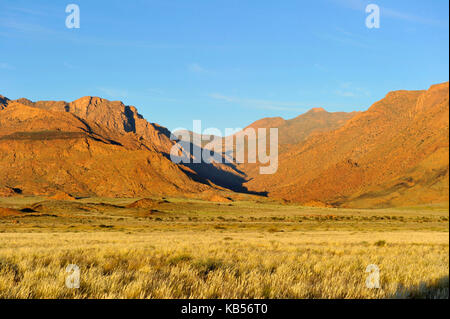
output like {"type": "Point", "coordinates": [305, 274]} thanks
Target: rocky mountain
{"type": "Point", "coordinates": [393, 154]}
{"type": "Point", "coordinates": [85, 148]}
{"type": "Point", "coordinates": [290, 133]}
{"type": "Point", "coordinates": [296, 130]}
{"type": "Point", "coordinates": [113, 115]}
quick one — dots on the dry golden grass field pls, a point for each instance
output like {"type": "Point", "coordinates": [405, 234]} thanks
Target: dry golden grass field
{"type": "Point", "coordinates": [187, 248]}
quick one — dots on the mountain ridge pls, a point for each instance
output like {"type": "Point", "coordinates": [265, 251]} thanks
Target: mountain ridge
{"type": "Point", "coordinates": [372, 148]}
{"type": "Point", "coordinates": [44, 151]}
{"type": "Point", "coordinates": [393, 154]}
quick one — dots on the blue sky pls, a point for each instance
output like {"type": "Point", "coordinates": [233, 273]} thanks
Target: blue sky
{"type": "Point", "coordinates": [227, 63]}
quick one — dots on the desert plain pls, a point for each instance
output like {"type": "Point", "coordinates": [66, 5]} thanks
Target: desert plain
{"type": "Point", "coordinates": [247, 247]}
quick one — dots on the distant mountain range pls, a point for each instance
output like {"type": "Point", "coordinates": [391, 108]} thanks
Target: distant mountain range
{"type": "Point", "coordinates": [393, 154]}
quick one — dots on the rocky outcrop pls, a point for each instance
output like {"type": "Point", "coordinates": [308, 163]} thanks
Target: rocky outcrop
{"type": "Point", "coordinates": [43, 151]}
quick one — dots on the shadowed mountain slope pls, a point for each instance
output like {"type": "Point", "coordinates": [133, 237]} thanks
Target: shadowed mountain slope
{"type": "Point", "coordinates": [290, 132]}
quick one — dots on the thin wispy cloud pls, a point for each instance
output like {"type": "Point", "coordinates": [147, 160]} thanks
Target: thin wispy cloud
{"type": "Point", "coordinates": [196, 68]}
{"type": "Point", "coordinates": [159, 95]}
{"type": "Point", "coordinates": [260, 103]}
{"type": "Point", "coordinates": [345, 93]}
{"type": "Point", "coordinates": [69, 66]}
{"type": "Point", "coordinates": [342, 36]}
{"type": "Point", "coordinates": [30, 23]}
{"type": "Point", "coordinates": [6, 66]}
{"type": "Point", "coordinates": [154, 91]}
{"type": "Point", "coordinates": [27, 20]}
{"type": "Point", "coordinates": [411, 17]}
{"type": "Point", "coordinates": [320, 67]}
{"type": "Point", "coordinates": [28, 11]}
{"type": "Point", "coordinates": [32, 29]}
{"type": "Point", "coordinates": [114, 93]}
{"type": "Point", "coordinates": [348, 89]}
{"type": "Point", "coordinates": [344, 39]}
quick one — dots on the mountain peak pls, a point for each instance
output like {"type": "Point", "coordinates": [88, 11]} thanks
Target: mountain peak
{"type": "Point", "coordinates": [317, 110]}
{"type": "Point", "coordinates": [267, 122]}
{"type": "Point", "coordinates": [439, 86]}
{"type": "Point", "coordinates": [24, 101]}
{"type": "Point", "coordinates": [89, 100]}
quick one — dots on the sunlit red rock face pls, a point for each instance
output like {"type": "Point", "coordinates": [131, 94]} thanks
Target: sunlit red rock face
{"type": "Point", "coordinates": [113, 115]}
{"type": "Point", "coordinates": [45, 150]}
{"type": "Point", "coordinates": [123, 119]}
{"type": "Point", "coordinates": [395, 153]}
